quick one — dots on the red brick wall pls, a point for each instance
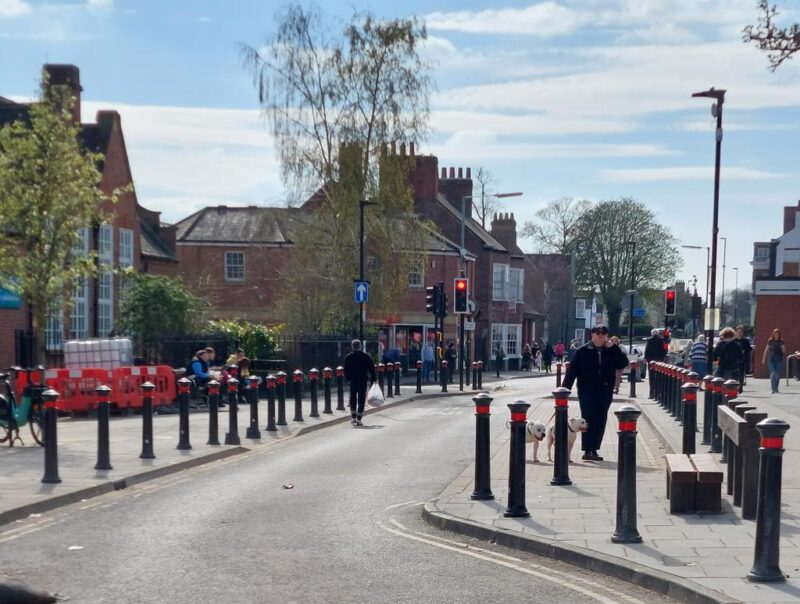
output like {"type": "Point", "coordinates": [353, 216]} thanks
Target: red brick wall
{"type": "Point", "coordinates": [775, 312]}
{"type": "Point", "coordinates": [10, 320]}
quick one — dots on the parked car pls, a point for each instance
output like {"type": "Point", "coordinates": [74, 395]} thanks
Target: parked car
{"type": "Point", "coordinates": [637, 354]}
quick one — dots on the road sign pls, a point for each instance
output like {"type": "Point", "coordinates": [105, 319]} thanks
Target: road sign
{"type": "Point", "coordinates": [469, 325]}
{"type": "Point", "coordinates": [361, 291]}
{"type": "Point", "coordinates": [639, 312]}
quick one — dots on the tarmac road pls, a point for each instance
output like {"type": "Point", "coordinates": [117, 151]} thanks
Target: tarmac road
{"type": "Point", "coordinates": [333, 516]}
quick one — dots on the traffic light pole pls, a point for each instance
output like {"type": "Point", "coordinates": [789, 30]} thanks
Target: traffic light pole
{"type": "Point", "coordinates": [461, 352]}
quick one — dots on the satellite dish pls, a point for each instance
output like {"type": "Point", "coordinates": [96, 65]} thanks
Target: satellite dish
{"type": "Point", "coordinates": [714, 109]}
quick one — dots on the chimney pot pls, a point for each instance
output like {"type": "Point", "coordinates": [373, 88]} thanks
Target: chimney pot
{"type": "Point", "coordinates": [411, 149]}
{"type": "Point", "coordinates": [461, 172]}
{"type": "Point", "coordinates": [444, 172]}
{"type": "Point", "coordinates": [452, 172]}
{"type": "Point", "coordinates": [469, 173]}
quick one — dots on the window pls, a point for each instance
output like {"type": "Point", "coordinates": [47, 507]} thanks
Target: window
{"type": "Point", "coordinates": [580, 335]}
{"type": "Point", "coordinates": [79, 313]}
{"type": "Point", "coordinates": [762, 252]}
{"type": "Point", "coordinates": [54, 328]}
{"type": "Point", "coordinates": [105, 280]}
{"type": "Point", "coordinates": [125, 258]}
{"type": "Point", "coordinates": [499, 281]}
{"type": "Point", "coordinates": [234, 266]}
{"type": "Point", "coordinates": [416, 274]}
{"type": "Point", "coordinates": [509, 337]}
{"type": "Point", "coordinates": [580, 308]}
{"type": "Point", "coordinates": [516, 282]}
{"type": "Point", "coordinates": [507, 283]}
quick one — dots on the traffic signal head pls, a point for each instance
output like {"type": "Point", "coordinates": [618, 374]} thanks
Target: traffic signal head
{"type": "Point", "coordinates": [461, 289]}
{"type": "Point", "coordinates": [442, 302]}
{"type": "Point", "coordinates": [431, 299]}
{"type": "Point", "coordinates": [669, 302]}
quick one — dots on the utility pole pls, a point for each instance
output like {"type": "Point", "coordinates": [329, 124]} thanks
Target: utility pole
{"type": "Point", "coordinates": [361, 204]}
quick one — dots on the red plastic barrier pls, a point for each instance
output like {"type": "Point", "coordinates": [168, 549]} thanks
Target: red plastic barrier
{"type": "Point", "coordinates": [125, 392]}
{"type": "Point", "coordinates": [76, 387]}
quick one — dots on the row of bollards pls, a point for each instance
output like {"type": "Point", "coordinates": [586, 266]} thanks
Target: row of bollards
{"type": "Point", "coordinates": [665, 382]}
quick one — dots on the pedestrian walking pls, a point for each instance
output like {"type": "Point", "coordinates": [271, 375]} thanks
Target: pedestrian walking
{"type": "Point", "coordinates": [773, 356]}
{"type": "Point", "coordinates": [359, 371]}
{"type": "Point", "coordinates": [594, 368]}
{"type": "Point", "coordinates": [727, 355]}
{"type": "Point", "coordinates": [618, 379]}
{"type": "Point", "coordinates": [747, 350]}
{"type": "Point", "coordinates": [499, 355]}
{"type": "Point", "coordinates": [654, 348]}
{"type": "Point", "coordinates": [698, 356]}
{"type": "Point", "coordinates": [559, 350]}
{"type": "Point", "coordinates": [547, 356]}
{"type": "Point", "coordinates": [451, 357]}
{"type": "Point", "coordinates": [428, 356]}
{"type": "Point", "coordinates": [573, 348]}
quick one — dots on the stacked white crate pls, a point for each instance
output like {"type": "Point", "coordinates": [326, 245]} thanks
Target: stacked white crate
{"type": "Point", "coordinates": [98, 353]}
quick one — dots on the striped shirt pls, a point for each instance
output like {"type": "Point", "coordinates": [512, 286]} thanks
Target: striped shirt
{"type": "Point", "coordinates": [699, 352]}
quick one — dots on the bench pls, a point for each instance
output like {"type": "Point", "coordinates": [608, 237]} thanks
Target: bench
{"type": "Point", "coordinates": [739, 425]}
{"type": "Point", "coordinates": [694, 484]}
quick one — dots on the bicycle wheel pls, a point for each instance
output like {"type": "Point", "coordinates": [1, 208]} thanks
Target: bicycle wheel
{"type": "Point", "coordinates": [36, 422]}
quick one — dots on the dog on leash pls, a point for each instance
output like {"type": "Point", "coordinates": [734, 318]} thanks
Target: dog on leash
{"type": "Point", "coordinates": [574, 425]}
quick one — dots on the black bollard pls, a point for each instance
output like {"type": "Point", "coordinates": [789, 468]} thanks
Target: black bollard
{"type": "Point", "coordinates": [327, 374]}
{"type": "Point", "coordinates": [766, 561]}
{"type": "Point", "coordinates": [626, 477]}
{"type": "Point", "coordinates": [253, 430]}
{"type": "Point", "coordinates": [561, 464]}
{"type": "Point", "coordinates": [480, 375]}
{"type": "Point", "coordinates": [419, 378]}
{"type": "Point", "coordinates": [50, 438]}
{"type": "Point", "coordinates": [147, 421]}
{"type": "Point", "coordinates": [340, 388]}
{"type": "Point", "coordinates": [689, 417]}
{"type": "Point", "coordinates": [708, 393]}
{"type": "Point", "coordinates": [474, 375]}
{"type": "Point", "coordinates": [397, 369]}
{"type": "Point", "coordinates": [103, 449]}
{"type": "Point", "coordinates": [380, 369]}
{"type": "Point", "coordinates": [271, 427]}
{"type": "Point", "coordinates": [313, 386]}
{"type": "Point", "coordinates": [632, 378]}
{"type": "Point", "coordinates": [716, 433]}
{"type": "Point", "coordinates": [443, 376]}
{"type": "Point", "coordinates": [730, 390]}
{"type": "Point", "coordinates": [183, 419]}
{"type": "Point", "coordinates": [297, 377]}
{"type": "Point", "coordinates": [483, 461]}
{"type": "Point", "coordinates": [497, 366]}
{"type": "Point", "coordinates": [389, 373]}
{"type": "Point", "coordinates": [516, 461]}
{"type": "Point", "coordinates": [232, 435]}
{"type": "Point", "coordinates": [213, 413]}
{"type": "Point", "coordinates": [693, 378]}
{"type": "Point", "coordinates": [650, 381]}
{"type": "Point", "coordinates": [281, 389]}
{"type": "Point", "coordinates": [558, 375]}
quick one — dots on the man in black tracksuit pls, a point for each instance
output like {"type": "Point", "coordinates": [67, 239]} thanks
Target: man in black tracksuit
{"type": "Point", "coordinates": [359, 370]}
{"type": "Point", "coordinates": [594, 367]}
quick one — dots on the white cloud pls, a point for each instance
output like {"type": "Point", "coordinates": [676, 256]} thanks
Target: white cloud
{"type": "Point", "coordinates": [204, 19]}
{"type": "Point", "coordinates": [499, 124]}
{"type": "Point", "coordinates": [13, 8]}
{"type": "Point", "coordinates": [99, 4]}
{"type": "Point", "coordinates": [543, 19]}
{"type": "Point", "coordinates": [634, 175]}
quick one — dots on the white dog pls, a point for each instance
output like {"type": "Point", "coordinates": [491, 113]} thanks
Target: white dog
{"type": "Point", "coordinates": [574, 425]}
{"type": "Point", "coordinates": [535, 433]}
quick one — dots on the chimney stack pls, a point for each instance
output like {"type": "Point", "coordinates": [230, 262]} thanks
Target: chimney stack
{"type": "Point", "coordinates": [68, 79]}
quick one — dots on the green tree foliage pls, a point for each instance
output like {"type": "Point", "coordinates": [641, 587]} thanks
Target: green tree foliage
{"type": "Point", "coordinates": [780, 43]}
{"type": "Point", "coordinates": [155, 306]}
{"type": "Point", "coordinates": [49, 190]}
{"type": "Point", "coordinates": [333, 101]}
{"type": "Point", "coordinates": [258, 341]}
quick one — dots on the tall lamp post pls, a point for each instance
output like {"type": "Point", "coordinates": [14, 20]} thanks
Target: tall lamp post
{"type": "Point", "coordinates": [736, 298]}
{"type": "Point", "coordinates": [463, 272]}
{"type": "Point", "coordinates": [722, 293]}
{"type": "Point", "coordinates": [716, 111]}
{"type": "Point", "coordinates": [632, 244]}
{"type": "Point", "coordinates": [362, 203]}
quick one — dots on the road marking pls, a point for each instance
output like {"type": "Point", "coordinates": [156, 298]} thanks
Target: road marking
{"type": "Point", "coordinates": [399, 505]}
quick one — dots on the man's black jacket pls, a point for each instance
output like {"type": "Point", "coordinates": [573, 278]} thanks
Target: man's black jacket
{"type": "Point", "coordinates": [359, 368]}
{"type": "Point", "coordinates": [595, 374]}
{"type": "Point", "coordinates": [654, 349]}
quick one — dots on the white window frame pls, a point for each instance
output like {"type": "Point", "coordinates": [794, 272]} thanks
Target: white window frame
{"type": "Point", "coordinates": [229, 266]}
{"type": "Point", "coordinates": [506, 334]}
{"type": "Point", "coordinates": [79, 313]}
{"type": "Point", "coordinates": [500, 282]}
{"type": "Point", "coordinates": [762, 252]}
{"type": "Point", "coordinates": [580, 335]}
{"type": "Point", "coordinates": [516, 285]}
{"type": "Point", "coordinates": [126, 253]}
{"type": "Point", "coordinates": [54, 327]}
{"type": "Point", "coordinates": [105, 280]}
{"type": "Point", "coordinates": [416, 274]}
{"type": "Point", "coordinates": [580, 308]}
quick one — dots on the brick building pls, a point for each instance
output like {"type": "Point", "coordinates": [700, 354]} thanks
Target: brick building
{"type": "Point", "coordinates": [132, 235]}
{"type": "Point", "coordinates": [776, 286]}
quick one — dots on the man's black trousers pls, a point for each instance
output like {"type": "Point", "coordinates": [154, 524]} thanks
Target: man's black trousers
{"type": "Point", "coordinates": [358, 396]}
{"type": "Point", "coordinates": [594, 409]}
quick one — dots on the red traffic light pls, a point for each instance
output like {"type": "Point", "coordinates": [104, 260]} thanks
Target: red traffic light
{"type": "Point", "coordinates": [670, 294]}
{"type": "Point", "coordinates": [461, 284]}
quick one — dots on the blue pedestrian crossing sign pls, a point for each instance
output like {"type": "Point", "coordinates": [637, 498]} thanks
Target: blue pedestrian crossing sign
{"type": "Point", "coordinates": [639, 312]}
{"type": "Point", "coordinates": [361, 291]}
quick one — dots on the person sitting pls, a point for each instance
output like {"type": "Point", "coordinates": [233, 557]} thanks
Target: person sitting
{"type": "Point", "coordinates": [198, 372]}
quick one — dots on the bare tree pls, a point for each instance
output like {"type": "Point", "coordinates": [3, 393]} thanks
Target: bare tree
{"type": "Point", "coordinates": [555, 228]}
{"type": "Point", "coordinates": [780, 43]}
{"type": "Point", "coordinates": [483, 201]}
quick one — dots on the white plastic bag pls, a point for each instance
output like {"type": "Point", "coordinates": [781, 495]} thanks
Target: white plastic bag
{"type": "Point", "coordinates": [375, 396]}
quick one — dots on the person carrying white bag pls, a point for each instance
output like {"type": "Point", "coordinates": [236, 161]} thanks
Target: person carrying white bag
{"type": "Point", "coordinates": [359, 371]}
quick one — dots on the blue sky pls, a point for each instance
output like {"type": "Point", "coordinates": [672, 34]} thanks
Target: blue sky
{"type": "Point", "coordinates": [579, 98]}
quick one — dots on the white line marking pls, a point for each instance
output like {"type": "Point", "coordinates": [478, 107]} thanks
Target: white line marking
{"type": "Point", "coordinates": [399, 505]}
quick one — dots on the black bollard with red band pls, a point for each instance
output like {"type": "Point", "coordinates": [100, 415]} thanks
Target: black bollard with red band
{"type": "Point", "coordinates": [766, 562]}
{"type": "Point", "coordinates": [689, 417]}
{"type": "Point", "coordinates": [693, 378]}
{"type": "Point", "coordinates": [716, 401]}
{"type": "Point", "coordinates": [474, 375]}
{"type": "Point", "coordinates": [213, 413]}
{"type": "Point", "coordinates": [253, 430]}
{"type": "Point", "coordinates": [443, 376]}
{"type": "Point", "coordinates": [483, 461]}
{"type": "Point", "coordinates": [147, 421]}
{"type": "Point", "coordinates": [340, 388]}
{"type": "Point", "coordinates": [516, 461]}
{"type": "Point", "coordinates": [50, 476]}
{"type": "Point", "coordinates": [281, 392]}
{"type": "Point", "coordinates": [103, 449]}
{"type": "Point", "coordinates": [313, 386]}
{"type": "Point", "coordinates": [480, 375]}
{"type": "Point", "coordinates": [271, 383]}
{"type": "Point", "coordinates": [419, 378]}
{"type": "Point", "coordinates": [327, 375]}
{"type": "Point", "coordinates": [730, 390]}
{"type": "Point", "coordinates": [626, 531]}
{"type": "Point", "coordinates": [558, 375]}
{"type": "Point", "coordinates": [183, 419]}
{"type": "Point", "coordinates": [380, 368]}
{"type": "Point", "coordinates": [651, 383]}
{"type": "Point", "coordinates": [633, 376]}
{"type": "Point", "coordinates": [297, 378]}
{"type": "Point", "coordinates": [397, 369]}
{"type": "Point", "coordinates": [561, 464]}
{"type": "Point", "coordinates": [708, 394]}
{"type": "Point", "coordinates": [389, 373]}
{"type": "Point", "coordinates": [232, 435]}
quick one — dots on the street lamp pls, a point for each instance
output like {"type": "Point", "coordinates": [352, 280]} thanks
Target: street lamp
{"type": "Point", "coordinates": [463, 272]}
{"type": "Point", "coordinates": [362, 203]}
{"type": "Point", "coordinates": [736, 298]}
{"type": "Point", "coordinates": [708, 260]}
{"type": "Point", "coordinates": [722, 296]}
{"type": "Point", "coordinates": [632, 294]}
{"type": "Point", "coordinates": [716, 111]}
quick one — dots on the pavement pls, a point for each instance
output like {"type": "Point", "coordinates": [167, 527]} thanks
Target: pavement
{"type": "Point", "coordinates": [693, 557]}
